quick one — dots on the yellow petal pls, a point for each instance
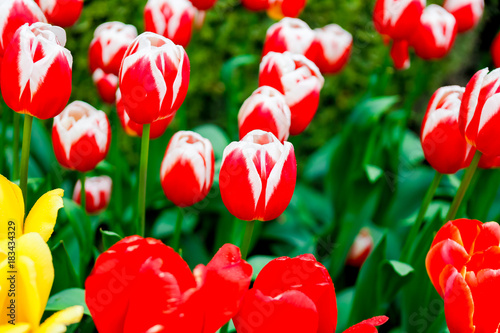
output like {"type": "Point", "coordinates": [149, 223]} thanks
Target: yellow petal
{"type": "Point", "coordinates": [58, 321]}
{"type": "Point", "coordinates": [19, 328]}
{"type": "Point", "coordinates": [42, 217]}
{"type": "Point", "coordinates": [4, 291]}
{"type": "Point", "coordinates": [28, 309]}
{"type": "Point", "coordinates": [11, 207]}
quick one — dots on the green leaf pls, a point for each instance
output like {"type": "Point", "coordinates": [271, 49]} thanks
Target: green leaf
{"type": "Point", "coordinates": [258, 262]}
{"type": "Point", "coordinates": [64, 273]}
{"type": "Point", "coordinates": [344, 305]}
{"type": "Point", "coordinates": [369, 111]}
{"type": "Point", "coordinates": [164, 225]}
{"type": "Point", "coordinates": [109, 238]}
{"type": "Point", "coordinates": [318, 164]}
{"type": "Point", "coordinates": [393, 275]}
{"type": "Point", "coordinates": [373, 172]}
{"type": "Point", "coordinates": [66, 299]}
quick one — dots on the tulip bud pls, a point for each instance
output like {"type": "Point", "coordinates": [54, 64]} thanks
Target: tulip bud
{"type": "Point", "coordinates": [170, 18]}
{"type": "Point", "coordinates": [397, 19]}
{"type": "Point", "coordinates": [400, 54]}
{"type": "Point", "coordinates": [97, 193]}
{"type": "Point", "coordinates": [466, 12]}
{"type": "Point", "coordinates": [360, 249]}
{"type": "Point", "coordinates": [132, 128]}
{"type": "Point", "coordinates": [255, 5]}
{"type": "Point", "coordinates": [14, 14]}
{"type": "Point", "coordinates": [495, 50]}
{"type": "Point", "coordinates": [444, 146]}
{"type": "Point", "coordinates": [435, 34]}
{"type": "Point", "coordinates": [187, 170]}
{"type": "Point", "coordinates": [81, 136]}
{"type": "Point", "coordinates": [299, 80]}
{"type": "Point", "coordinates": [285, 8]}
{"type": "Point", "coordinates": [480, 112]}
{"type": "Point", "coordinates": [203, 4]}
{"type": "Point", "coordinates": [63, 13]}
{"type": "Point", "coordinates": [257, 176]}
{"type": "Point", "coordinates": [334, 46]}
{"type": "Point", "coordinates": [36, 71]}
{"type": "Point", "coordinates": [265, 110]}
{"type": "Point", "coordinates": [154, 78]}
{"type": "Point", "coordinates": [106, 85]}
{"type": "Point", "coordinates": [293, 35]}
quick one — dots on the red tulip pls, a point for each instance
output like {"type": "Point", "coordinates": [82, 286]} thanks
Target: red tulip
{"type": "Point", "coordinates": [170, 18]}
{"type": "Point", "coordinates": [466, 12]}
{"type": "Point", "coordinates": [400, 54]}
{"type": "Point", "coordinates": [203, 4]}
{"type": "Point", "coordinates": [444, 146]}
{"type": "Point", "coordinates": [495, 50]}
{"type": "Point", "coordinates": [81, 136]}
{"type": "Point", "coordinates": [36, 71]}
{"type": "Point", "coordinates": [187, 170]}
{"type": "Point", "coordinates": [397, 19]}
{"type": "Point", "coordinates": [255, 5]}
{"type": "Point", "coordinates": [360, 249]}
{"type": "Point", "coordinates": [334, 46]}
{"type": "Point", "coordinates": [435, 34]}
{"type": "Point", "coordinates": [299, 80]}
{"type": "Point", "coordinates": [480, 112]}
{"type": "Point", "coordinates": [63, 13]}
{"type": "Point", "coordinates": [293, 35]}
{"type": "Point", "coordinates": [489, 162]}
{"type": "Point", "coordinates": [266, 110]}
{"type": "Point", "coordinates": [132, 128]}
{"type": "Point", "coordinates": [106, 85]}
{"type": "Point", "coordinates": [257, 176]}
{"type": "Point", "coordinates": [154, 78]}
{"type": "Point", "coordinates": [138, 272]}
{"type": "Point", "coordinates": [97, 193]}
{"type": "Point", "coordinates": [14, 14]}
{"type": "Point", "coordinates": [463, 264]}
{"type": "Point", "coordinates": [285, 8]}
{"type": "Point", "coordinates": [368, 325]}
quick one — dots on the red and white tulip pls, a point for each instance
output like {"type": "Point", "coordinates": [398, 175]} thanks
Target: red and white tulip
{"type": "Point", "coordinates": [257, 176]}
{"type": "Point", "coordinates": [187, 170]}
{"type": "Point", "coordinates": [397, 18]}
{"type": "Point", "coordinates": [285, 8]}
{"type": "Point", "coordinates": [81, 136]}
{"type": "Point", "coordinates": [154, 78]}
{"type": "Point", "coordinates": [203, 4]}
{"type": "Point", "coordinates": [333, 48]}
{"type": "Point", "coordinates": [97, 193]}
{"type": "Point", "coordinates": [106, 84]}
{"type": "Point", "coordinates": [466, 12]}
{"type": "Point", "coordinates": [299, 79]}
{"type": "Point", "coordinates": [266, 110]}
{"type": "Point", "coordinates": [36, 71]}
{"type": "Point", "coordinates": [63, 13]}
{"type": "Point", "coordinates": [360, 249]}
{"type": "Point", "coordinates": [289, 34]}
{"type": "Point", "coordinates": [400, 54]}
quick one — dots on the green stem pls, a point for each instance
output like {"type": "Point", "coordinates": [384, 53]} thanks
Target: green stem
{"type": "Point", "coordinates": [25, 157]}
{"type": "Point", "coordinates": [247, 238]}
{"type": "Point", "coordinates": [15, 146]}
{"type": "Point", "coordinates": [469, 172]}
{"type": "Point", "coordinates": [421, 214]}
{"type": "Point", "coordinates": [83, 195]}
{"type": "Point", "coordinates": [143, 174]}
{"type": "Point", "coordinates": [178, 230]}
{"type": "Point", "coordinates": [224, 328]}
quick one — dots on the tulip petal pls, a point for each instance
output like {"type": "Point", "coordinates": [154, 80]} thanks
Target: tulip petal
{"type": "Point", "coordinates": [368, 325]}
{"type": "Point", "coordinates": [18, 328]}
{"type": "Point", "coordinates": [29, 307]}
{"type": "Point", "coordinates": [11, 208]}
{"type": "Point", "coordinates": [58, 321]}
{"type": "Point", "coordinates": [486, 295]}
{"type": "Point", "coordinates": [42, 217]}
{"type": "Point", "coordinates": [489, 236]}
{"type": "Point", "coordinates": [462, 231]}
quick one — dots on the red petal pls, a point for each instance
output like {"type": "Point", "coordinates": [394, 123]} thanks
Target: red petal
{"type": "Point", "coordinates": [486, 295]}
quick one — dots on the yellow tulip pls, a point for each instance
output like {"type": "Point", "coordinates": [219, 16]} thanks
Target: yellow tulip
{"type": "Point", "coordinates": [23, 250]}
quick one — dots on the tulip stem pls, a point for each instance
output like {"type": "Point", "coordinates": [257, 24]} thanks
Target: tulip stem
{"type": "Point", "coordinates": [15, 147]}
{"type": "Point", "coordinates": [83, 195]}
{"type": "Point", "coordinates": [247, 238]}
{"type": "Point", "coordinates": [178, 230]}
{"type": "Point", "coordinates": [469, 172]}
{"type": "Point", "coordinates": [25, 157]}
{"type": "Point", "coordinates": [143, 175]}
{"type": "Point", "coordinates": [421, 214]}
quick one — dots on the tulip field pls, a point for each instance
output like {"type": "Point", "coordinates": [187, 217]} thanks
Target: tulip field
{"type": "Point", "coordinates": [249, 166]}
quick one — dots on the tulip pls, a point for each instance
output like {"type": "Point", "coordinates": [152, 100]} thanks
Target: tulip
{"type": "Point", "coordinates": [266, 110]}
{"type": "Point", "coordinates": [400, 54]}
{"type": "Point", "coordinates": [444, 147]}
{"type": "Point", "coordinates": [360, 249]}
{"type": "Point", "coordinates": [299, 80]}
{"type": "Point", "coordinates": [81, 136]}
{"type": "Point", "coordinates": [172, 19]}
{"type": "Point", "coordinates": [203, 4]}
{"type": "Point", "coordinates": [489, 162]}
{"type": "Point", "coordinates": [97, 193]}
{"type": "Point", "coordinates": [397, 19]}
{"type": "Point", "coordinates": [334, 46]}
{"type": "Point", "coordinates": [467, 13]}
{"type": "Point", "coordinates": [154, 78]}
{"type": "Point", "coordinates": [435, 34]}
{"type": "Point", "coordinates": [495, 50]}
{"type": "Point", "coordinates": [106, 84]}
{"type": "Point", "coordinates": [132, 128]}
{"type": "Point", "coordinates": [138, 271]}
{"type": "Point", "coordinates": [255, 5]}
{"type": "Point", "coordinates": [462, 264]}
{"type": "Point", "coordinates": [289, 34]}
{"type": "Point", "coordinates": [187, 170]}
{"type": "Point", "coordinates": [63, 13]}
{"type": "Point", "coordinates": [285, 8]}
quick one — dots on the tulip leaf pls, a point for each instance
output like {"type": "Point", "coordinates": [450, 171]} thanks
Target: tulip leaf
{"type": "Point", "coordinates": [258, 262]}
{"type": "Point", "coordinates": [109, 238]}
{"type": "Point", "coordinates": [373, 172]}
{"type": "Point", "coordinates": [393, 275]}
{"type": "Point", "coordinates": [66, 299]}
{"type": "Point", "coordinates": [318, 163]}
{"type": "Point", "coordinates": [369, 111]}
{"type": "Point", "coordinates": [344, 305]}
{"type": "Point", "coordinates": [164, 225]}
{"type": "Point", "coordinates": [64, 273]}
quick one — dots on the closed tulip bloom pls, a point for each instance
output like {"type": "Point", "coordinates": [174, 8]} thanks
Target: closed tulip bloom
{"type": "Point", "coordinates": [480, 112]}
{"type": "Point", "coordinates": [187, 170]}
{"type": "Point", "coordinates": [289, 34]}
{"type": "Point", "coordinates": [36, 71]}
{"type": "Point", "coordinates": [266, 110]}
{"type": "Point", "coordinates": [400, 54]}
{"type": "Point", "coordinates": [445, 148]}
{"type": "Point", "coordinates": [466, 12]}
{"type": "Point", "coordinates": [138, 271]}
{"type": "Point", "coordinates": [132, 128]}
{"type": "Point", "coordinates": [255, 5]}
{"type": "Point", "coordinates": [285, 8]}
{"type": "Point", "coordinates": [106, 85]}
{"type": "Point", "coordinates": [495, 50]}
{"type": "Point", "coordinates": [435, 34]}
{"type": "Point", "coordinates": [63, 13]}
{"type": "Point", "coordinates": [360, 249]}
{"type": "Point", "coordinates": [489, 162]}
{"type": "Point", "coordinates": [81, 136]}
{"type": "Point", "coordinates": [397, 19]}
{"type": "Point", "coordinates": [463, 264]}
{"type": "Point", "coordinates": [154, 78]}
{"type": "Point", "coordinates": [257, 176]}
{"type": "Point", "coordinates": [170, 18]}
{"type": "Point", "coordinates": [299, 80]}
{"type": "Point", "coordinates": [203, 4]}
{"type": "Point", "coordinates": [97, 193]}
{"type": "Point", "coordinates": [334, 46]}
